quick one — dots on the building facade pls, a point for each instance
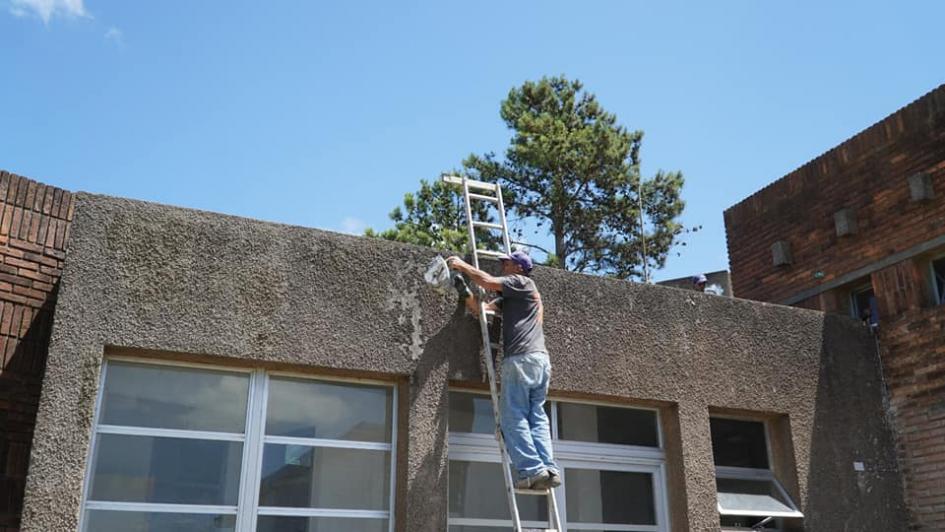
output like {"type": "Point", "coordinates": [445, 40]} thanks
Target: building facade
{"type": "Point", "coordinates": [212, 373]}
{"type": "Point", "coordinates": [860, 231]}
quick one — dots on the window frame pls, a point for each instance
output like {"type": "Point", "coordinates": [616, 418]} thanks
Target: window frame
{"type": "Point", "coordinates": [478, 447]}
{"type": "Point", "coordinates": [756, 474]}
{"type": "Point", "coordinates": [938, 292]}
{"type": "Point", "coordinates": [253, 438]}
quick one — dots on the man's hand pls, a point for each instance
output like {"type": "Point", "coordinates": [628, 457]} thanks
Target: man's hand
{"type": "Point", "coordinates": [481, 278]}
{"type": "Point", "coordinates": [456, 263]}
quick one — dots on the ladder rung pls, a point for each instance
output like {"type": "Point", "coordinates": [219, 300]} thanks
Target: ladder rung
{"type": "Point", "coordinates": [522, 491]}
{"type": "Point", "coordinates": [487, 225]}
{"type": "Point", "coordinates": [471, 183]}
{"type": "Point", "coordinates": [493, 199]}
{"type": "Point", "coordinates": [490, 253]}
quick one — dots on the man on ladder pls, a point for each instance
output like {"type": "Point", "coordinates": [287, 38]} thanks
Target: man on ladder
{"type": "Point", "coordinates": [526, 368]}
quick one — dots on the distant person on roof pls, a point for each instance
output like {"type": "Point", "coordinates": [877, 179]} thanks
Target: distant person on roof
{"type": "Point", "coordinates": [699, 282]}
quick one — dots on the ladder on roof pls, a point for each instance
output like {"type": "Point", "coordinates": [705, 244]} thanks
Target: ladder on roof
{"type": "Point", "coordinates": [492, 193]}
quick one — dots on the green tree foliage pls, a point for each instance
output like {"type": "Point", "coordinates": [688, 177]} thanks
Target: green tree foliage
{"type": "Point", "coordinates": [435, 216]}
{"type": "Point", "coordinates": [574, 171]}
{"type": "Point", "coordinates": [571, 170]}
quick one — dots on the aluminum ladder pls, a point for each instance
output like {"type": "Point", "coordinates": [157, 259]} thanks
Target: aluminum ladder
{"type": "Point", "coordinates": [492, 193]}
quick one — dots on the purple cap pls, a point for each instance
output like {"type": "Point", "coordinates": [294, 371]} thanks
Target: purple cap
{"type": "Point", "coordinates": [521, 258]}
{"type": "Point", "coordinates": [699, 279]}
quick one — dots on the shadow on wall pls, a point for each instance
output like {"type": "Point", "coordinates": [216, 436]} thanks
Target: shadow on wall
{"type": "Point", "coordinates": [428, 480]}
{"type": "Point", "coordinates": [854, 481]}
{"type": "Point", "coordinates": [23, 365]}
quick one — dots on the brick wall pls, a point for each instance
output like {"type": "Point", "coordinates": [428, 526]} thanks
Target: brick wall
{"type": "Point", "coordinates": [34, 228]}
{"type": "Point", "coordinates": [868, 173]}
{"type": "Point", "coordinates": [913, 351]}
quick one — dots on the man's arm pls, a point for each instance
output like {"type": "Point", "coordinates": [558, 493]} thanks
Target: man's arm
{"type": "Point", "coordinates": [541, 309]}
{"type": "Point", "coordinates": [477, 276]}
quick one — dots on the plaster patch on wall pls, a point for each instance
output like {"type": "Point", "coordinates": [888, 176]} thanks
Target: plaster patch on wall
{"type": "Point", "coordinates": [407, 304]}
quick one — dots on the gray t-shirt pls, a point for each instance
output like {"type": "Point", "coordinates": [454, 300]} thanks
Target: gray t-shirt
{"type": "Point", "coordinates": [521, 316]}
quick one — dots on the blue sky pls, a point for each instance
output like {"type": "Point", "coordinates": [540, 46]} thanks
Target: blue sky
{"type": "Point", "coordinates": [323, 114]}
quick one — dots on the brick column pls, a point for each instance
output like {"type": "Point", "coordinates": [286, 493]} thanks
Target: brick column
{"type": "Point", "coordinates": [34, 229]}
{"type": "Point", "coordinates": [914, 358]}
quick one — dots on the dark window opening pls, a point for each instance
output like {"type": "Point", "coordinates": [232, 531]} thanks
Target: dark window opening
{"type": "Point", "coordinates": [865, 307]}
{"type": "Point", "coordinates": [737, 443]}
{"type": "Point", "coordinates": [938, 280]}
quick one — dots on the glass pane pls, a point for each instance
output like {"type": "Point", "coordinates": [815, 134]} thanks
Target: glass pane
{"type": "Point", "coordinates": [738, 443]}
{"type": "Point", "coordinates": [109, 521]}
{"type": "Point", "coordinates": [142, 395]}
{"type": "Point", "coordinates": [471, 413]}
{"type": "Point", "coordinates": [315, 409]}
{"type": "Point", "coordinates": [611, 497]}
{"type": "Point", "coordinates": [269, 523]}
{"type": "Point", "coordinates": [478, 491]}
{"type": "Point", "coordinates": [165, 470]}
{"type": "Point", "coordinates": [323, 477]}
{"type": "Point", "coordinates": [738, 496]}
{"type": "Point", "coordinates": [605, 424]}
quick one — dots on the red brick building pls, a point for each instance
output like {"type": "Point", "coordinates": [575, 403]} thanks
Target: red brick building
{"type": "Point", "coordinates": [34, 228]}
{"type": "Point", "coordinates": [860, 230]}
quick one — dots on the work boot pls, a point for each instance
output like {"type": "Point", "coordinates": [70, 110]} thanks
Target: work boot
{"type": "Point", "coordinates": [532, 482]}
{"type": "Point", "coordinates": [554, 480]}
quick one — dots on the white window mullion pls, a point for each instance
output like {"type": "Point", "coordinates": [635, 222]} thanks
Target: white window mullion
{"type": "Point", "coordinates": [392, 456]}
{"type": "Point", "coordinates": [322, 512]}
{"type": "Point", "coordinates": [170, 433]}
{"type": "Point", "coordinates": [337, 444]}
{"type": "Point", "coordinates": [90, 452]}
{"type": "Point", "coordinates": [152, 507]}
{"type": "Point", "coordinates": [554, 420]}
{"type": "Point", "coordinates": [496, 523]}
{"type": "Point", "coordinates": [252, 453]}
{"type": "Point", "coordinates": [614, 528]}
{"type": "Point", "coordinates": [659, 493]}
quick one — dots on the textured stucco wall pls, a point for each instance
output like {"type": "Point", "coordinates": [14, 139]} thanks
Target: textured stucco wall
{"type": "Point", "coordinates": [170, 280]}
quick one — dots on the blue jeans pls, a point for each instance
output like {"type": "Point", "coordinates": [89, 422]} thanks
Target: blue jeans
{"type": "Point", "coordinates": [525, 425]}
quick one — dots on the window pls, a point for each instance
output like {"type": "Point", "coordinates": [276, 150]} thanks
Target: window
{"type": "Point", "coordinates": [749, 496]}
{"type": "Point", "coordinates": [863, 305]}
{"type": "Point", "coordinates": [611, 457]}
{"type": "Point", "coordinates": [938, 280]}
{"type": "Point", "coordinates": [192, 448]}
